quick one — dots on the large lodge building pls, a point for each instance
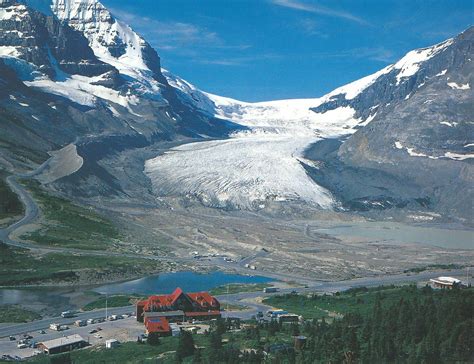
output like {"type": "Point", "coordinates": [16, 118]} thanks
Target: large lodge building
{"type": "Point", "coordinates": [157, 311]}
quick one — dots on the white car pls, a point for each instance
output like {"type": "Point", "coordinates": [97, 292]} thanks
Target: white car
{"type": "Point", "coordinates": [22, 346]}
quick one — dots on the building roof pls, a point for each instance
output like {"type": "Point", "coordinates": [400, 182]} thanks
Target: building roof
{"type": "Point", "coordinates": [204, 299]}
{"type": "Point", "coordinates": [63, 341]}
{"type": "Point", "coordinates": [446, 280]}
{"type": "Point", "coordinates": [202, 314]}
{"type": "Point", "coordinates": [200, 300]}
{"type": "Point", "coordinates": [288, 315]}
{"type": "Point", "coordinates": [163, 314]}
{"type": "Point", "coordinates": [157, 324]}
{"type": "Point", "coordinates": [175, 295]}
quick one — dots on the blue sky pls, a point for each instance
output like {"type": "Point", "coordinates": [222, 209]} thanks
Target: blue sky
{"type": "Point", "coordinates": [256, 50]}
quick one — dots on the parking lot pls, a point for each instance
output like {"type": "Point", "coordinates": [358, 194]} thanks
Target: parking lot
{"type": "Point", "coordinates": [126, 329]}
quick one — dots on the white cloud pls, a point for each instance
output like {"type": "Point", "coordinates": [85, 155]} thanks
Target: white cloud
{"type": "Point", "coordinates": [169, 35]}
{"type": "Point", "coordinates": [318, 9]}
{"type": "Point", "coordinates": [311, 27]}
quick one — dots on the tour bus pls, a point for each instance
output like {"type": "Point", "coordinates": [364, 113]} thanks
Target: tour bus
{"type": "Point", "coordinates": [67, 314]}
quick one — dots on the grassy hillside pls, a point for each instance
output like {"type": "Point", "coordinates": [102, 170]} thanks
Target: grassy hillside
{"type": "Point", "coordinates": [10, 204]}
{"type": "Point", "coordinates": [357, 300]}
{"type": "Point", "coordinates": [15, 313]}
{"type": "Point", "coordinates": [20, 267]}
{"type": "Point", "coordinates": [238, 288]}
{"type": "Point", "coordinates": [69, 225]}
{"type": "Point", "coordinates": [113, 301]}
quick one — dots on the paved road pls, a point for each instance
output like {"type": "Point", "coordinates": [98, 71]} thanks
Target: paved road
{"type": "Point", "coordinates": [31, 211]}
{"type": "Point", "coordinates": [320, 287]}
{"type": "Point", "coordinates": [249, 259]}
{"type": "Point", "coordinates": [35, 326]}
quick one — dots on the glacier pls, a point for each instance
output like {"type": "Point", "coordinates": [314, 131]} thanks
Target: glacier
{"type": "Point", "coordinates": [254, 168]}
{"type": "Point", "coordinates": [246, 172]}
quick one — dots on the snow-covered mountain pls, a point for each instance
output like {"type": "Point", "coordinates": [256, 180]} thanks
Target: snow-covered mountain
{"type": "Point", "coordinates": [355, 101]}
{"type": "Point", "coordinates": [70, 71]}
{"type": "Point", "coordinates": [130, 67]}
{"type": "Point", "coordinates": [370, 170]}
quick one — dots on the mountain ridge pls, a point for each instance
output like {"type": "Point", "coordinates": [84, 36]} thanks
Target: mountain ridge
{"type": "Point", "coordinates": [96, 93]}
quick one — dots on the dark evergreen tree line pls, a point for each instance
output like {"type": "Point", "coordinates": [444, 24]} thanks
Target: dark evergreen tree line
{"type": "Point", "coordinates": [423, 327]}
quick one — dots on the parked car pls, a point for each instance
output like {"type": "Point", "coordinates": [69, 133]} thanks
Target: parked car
{"type": "Point", "coordinates": [22, 346]}
{"type": "Point", "coordinates": [93, 331]}
{"type": "Point", "coordinates": [12, 338]}
{"type": "Point", "coordinates": [27, 336]}
{"type": "Point", "coordinates": [42, 332]}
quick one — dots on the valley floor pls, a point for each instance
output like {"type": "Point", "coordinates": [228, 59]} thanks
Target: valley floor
{"type": "Point", "coordinates": [305, 247]}
{"type": "Point", "coordinates": [289, 243]}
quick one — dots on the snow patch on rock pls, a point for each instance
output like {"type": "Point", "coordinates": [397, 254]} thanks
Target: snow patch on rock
{"type": "Point", "coordinates": [456, 86]}
{"type": "Point", "coordinates": [447, 123]}
{"type": "Point", "coordinates": [410, 64]}
{"type": "Point", "coordinates": [81, 90]}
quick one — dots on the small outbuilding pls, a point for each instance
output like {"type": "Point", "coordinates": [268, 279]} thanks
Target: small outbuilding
{"type": "Point", "coordinates": [445, 282]}
{"type": "Point", "coordinates": [300, 342]}
{"type": "Point", "coordinates": [63, 344]}
{"type": "Point", "coordinates": [288, 318]}
{"type": "Point", "coordinates": [112, 343]}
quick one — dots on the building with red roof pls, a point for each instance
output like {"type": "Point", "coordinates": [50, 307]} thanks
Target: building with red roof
{"type": "Point", "coordinates": [194, 305]}
{"type": "Point", "coordinates": [157, 325]}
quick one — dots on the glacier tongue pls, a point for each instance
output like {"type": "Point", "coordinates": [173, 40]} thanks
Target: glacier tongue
{"type": "Point", "coordinates": [245, 172]}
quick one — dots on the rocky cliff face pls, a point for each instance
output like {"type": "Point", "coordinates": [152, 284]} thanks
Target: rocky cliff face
{"type": "Point", "coordinates": [44, 42]}
{"type": "Point", "coordinates": [111, 40]}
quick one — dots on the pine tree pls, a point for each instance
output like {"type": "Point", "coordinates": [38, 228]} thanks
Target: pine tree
{"type": "Point", "coordinates": [197, 359]}
{"type": "Point", "coordinates": [185, 346]}
{"type": "Point", "coordinates": [215, 340]}
{"type": "Point", "coordinates": [153, 338]}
